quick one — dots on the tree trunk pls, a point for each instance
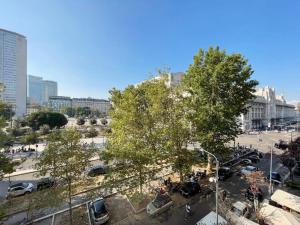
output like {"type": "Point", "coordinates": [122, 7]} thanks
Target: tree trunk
{"type": "Point", "coordinates": [209, 164]}
{"type": "Point", "coordinates": [70, 202]}
{"type": "Point", "coordinates": [141, 181]}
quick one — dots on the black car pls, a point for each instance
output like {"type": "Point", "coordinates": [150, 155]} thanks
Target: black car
{"type": "Point", "coordinates": [250, 194]}
{"type": "Point", "coordinates": [44, 183]}
{"type": "Point", "coordinates": [224, 173]}
{"type": "Point", "coordinates": [281, 145]}
{"type": "Point", "coordinates": [254, 158]}
{"type": "Point", "coordinates": [98, 211]}
{"type": "Point", "coordinates": [276, 178]}
{"type": "Point", "coordinates": [189, 189]}
{"type": "Point", "coordinates": [97, 170]}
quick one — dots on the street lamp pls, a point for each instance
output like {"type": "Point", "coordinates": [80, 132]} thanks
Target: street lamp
{"type": "Point", "coordinates": [217, 180]}
{"type": "Point", "coordinates": [271, 161]}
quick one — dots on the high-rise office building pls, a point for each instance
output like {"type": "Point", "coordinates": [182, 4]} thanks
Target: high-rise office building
{"type": "Point", "coordinates": [50, 89]}
{"type": "Point", "coordinates": [13, 69]}
{"type": "Point", "coordinates": [35, 89]}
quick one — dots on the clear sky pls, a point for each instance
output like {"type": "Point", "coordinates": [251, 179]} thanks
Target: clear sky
{"type": "Point", "coordinates": [90, 46]}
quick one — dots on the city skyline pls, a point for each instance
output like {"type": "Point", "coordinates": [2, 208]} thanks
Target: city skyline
{"type": "Point", "coordinates": [124, 45]}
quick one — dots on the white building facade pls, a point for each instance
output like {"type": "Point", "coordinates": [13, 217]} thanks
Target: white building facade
{"type": "Point", "coordinates": [267, 110]}
{"type": "Point", "coordinates": [13, 69]}
{"type": "Point", "coordinates": [59, 102]}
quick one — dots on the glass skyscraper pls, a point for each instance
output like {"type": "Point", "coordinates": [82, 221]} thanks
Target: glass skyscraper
{"type": "Point", "coordinates": [13, 69]}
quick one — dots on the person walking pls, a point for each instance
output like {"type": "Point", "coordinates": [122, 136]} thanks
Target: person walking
{"type": "Point", "coordinates": [187, 210]}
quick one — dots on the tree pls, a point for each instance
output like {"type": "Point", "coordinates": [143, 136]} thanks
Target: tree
{"type": "Point", "coordinates": [69, 111]}
{"type": "Point", "coordinates": [65, 158]}
{"type": "Point", "coordinates": [103, 121]}
{"type": "Point", "coordinates": [83, 112]}
{"type": "Point", "coordinates": [45, 129]}
{"type": "Point", "coordinates": [6, 165]}
{"type": "Point", "coordinates": [53, 119]}
{"type": "Point", "coordinates": [134, 143]}
{"type": "Point", "coordinates": [30, 138]}
{"type": "Point", "coordinates": [217, 87]}
{"type": "Point", "coordinates": [6, 111]}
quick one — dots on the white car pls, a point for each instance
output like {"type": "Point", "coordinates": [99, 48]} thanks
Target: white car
{"type": "Point", "coordinates": [238, 210]}
{"type": "Point", "coordinates": [19, 189]}
{"type": "Point", "coordinates": [248, 170]}
{"type": "Point", "coordinates": [161, 203]}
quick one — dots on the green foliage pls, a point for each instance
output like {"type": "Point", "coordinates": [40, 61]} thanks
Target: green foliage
{"type": "Point", "coordinates": [103, 121]}
{"type": "Point", "coordinates": [53, 119]}
{"type": "Point", "coordinates": [91, 133]}
{"type": "Point", "coordinates": [6, 165]}
{"type": "Point", "coordinates": [218, 88]}
{"type": "Point", "coordinates": [69, 111]}
{"type": "Point", "coordinates": [93, 121]}
{"type": "Point", "coordinates": [65, 159]}
{"type": "Point", "coordinates": [135, 139]}
{"type": "Point", "coordinates": [6, 111]}
{"type": "Point", "coordinates": [80, 121]}
{"type": "Point", "coordinates": [44, 129]}
{"type": "Point", "coordinates": [30, 138]}
{"type": "Point", "coordinates": [83, 112]}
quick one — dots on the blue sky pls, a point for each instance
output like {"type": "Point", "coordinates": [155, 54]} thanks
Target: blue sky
{"type": "Point", "coordinates": [90, 46]}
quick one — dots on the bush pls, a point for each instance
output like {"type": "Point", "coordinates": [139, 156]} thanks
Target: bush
{"type": "Point", "coordinates": [30, 138]}
{"type": "Point", "coordinates": [93, 121]}
{"type": "Point", "coordinates": [45, 129]}
{"type": "Point", "coordinates": [53, 119]}
{"type": "Point", "coordinates": [80, 121]}
{"type": "Point", "coordinates": [91, 133]}
{"type": "Point", "coordinates": [104, 121]}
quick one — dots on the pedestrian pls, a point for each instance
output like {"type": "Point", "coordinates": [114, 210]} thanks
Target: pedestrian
{"type": "Point", "coordinates": [187, 210]}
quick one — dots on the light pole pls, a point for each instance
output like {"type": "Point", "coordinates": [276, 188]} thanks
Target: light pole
{"type": "Point", "coordinates": [217, 180]}
{"type": "Point", "coordinates": [271, 162]}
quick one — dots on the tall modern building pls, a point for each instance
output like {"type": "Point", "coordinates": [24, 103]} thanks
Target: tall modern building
{"type": "Point", "coordinates": [35, 90]}
{"type": "Point", "coordinates": [40, 90]}
{"type": "Point", "coordinates": [13, 69]}
{"type": "Point", "coordinates": [50, 89]}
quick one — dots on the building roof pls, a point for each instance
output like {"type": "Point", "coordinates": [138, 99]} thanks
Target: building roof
{"type": "Point", "coordinates": [286, 199]}
{"type": "Point", "coordinates": [276, 216]}
{"type": "Point", "coordinates": [12, 32]}
{"type": "Point", "coordinates": [211, 218]}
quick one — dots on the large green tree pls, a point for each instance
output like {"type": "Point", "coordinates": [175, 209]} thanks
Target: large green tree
{"type": "Point", "coordinates": [218, 87]}
{"type": "Point", "coordinates": [53, 119]}
{"type": "Point", "coordinates": [66, 159]}
{"type": "Point", "coordinates": [134, 142]}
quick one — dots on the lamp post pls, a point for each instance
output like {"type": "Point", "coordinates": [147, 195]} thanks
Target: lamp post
{"type": "Point", "coordinates": [217, 180]}
{"type": "Point", "coordinates": [271, 162]}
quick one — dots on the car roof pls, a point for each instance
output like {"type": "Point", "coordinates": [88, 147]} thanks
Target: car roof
{"type": "Point", "coordinates": [240, 205]}
{"type": "Point", "coordinates": [250, 167]}
{"type": "Point", "coordinates": [225, 168]}
{"type": "Point", "coordinates": [16, 185]}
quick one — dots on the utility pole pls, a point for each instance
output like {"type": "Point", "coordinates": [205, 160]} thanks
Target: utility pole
{"type": "Point", "coordinates": [271, 162]}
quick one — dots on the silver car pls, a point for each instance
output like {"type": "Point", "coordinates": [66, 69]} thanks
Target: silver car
{"type": "Point", "coordinates": [19, 189]}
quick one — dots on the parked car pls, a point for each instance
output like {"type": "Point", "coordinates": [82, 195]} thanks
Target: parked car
{"type": "Point", "coordinates": [189, 189]}
{"type": "Point", "coordinates": [246, 162]}
{"type": "Point", "coordinates": [19, 189]}
{"type": "Point", "coordinates": [250, 194]}
{"type": "Point", "coordinates": [276, 178]}
{"type": "Point", "coordinates": [45, 182]}
{"type": "Point", "coordinates": [281, 145]}
{"type": "Point", "coordinates": [159, 204]}
{"type": "Point", "coordinates": [224, 173]}
{"type": "Point", "coordinates": [238, 209]}
{"type": "Point", "coordinates": [248, 169]}
{"type": "Point", "coordinates": [97, 170]}
{"type": "Point", "coordinates": [98, 211]}
{"type": "Point", "coordinates": [254, 158]}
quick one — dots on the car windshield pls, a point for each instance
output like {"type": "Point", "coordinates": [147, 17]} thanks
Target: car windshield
{"type": "Point", "coordinates": [99, 208]}
{"type": "Point", "coordinates": [25, 184]}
